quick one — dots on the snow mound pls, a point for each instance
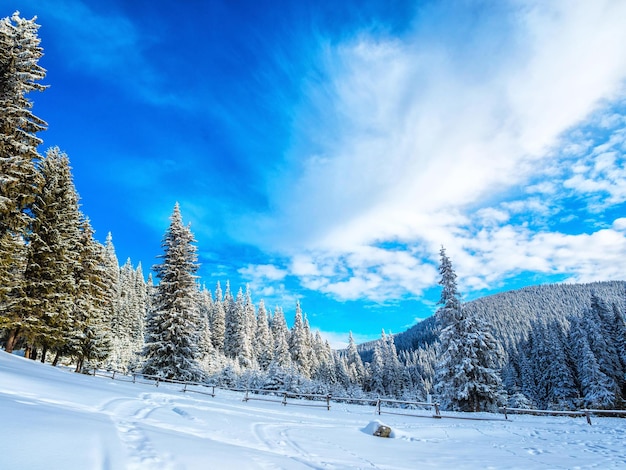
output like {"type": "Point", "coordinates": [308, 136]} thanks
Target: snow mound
{"type": "Point", "coordinates": [372, 426]}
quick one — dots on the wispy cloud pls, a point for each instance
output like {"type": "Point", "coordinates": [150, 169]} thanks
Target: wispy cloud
{"type": "Point", "coordinates": [420, 136]}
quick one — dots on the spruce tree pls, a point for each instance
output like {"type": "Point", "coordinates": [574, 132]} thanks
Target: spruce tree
{"type": "Point", "coordinates": [467, 377]}
{"type": "Point", "coordinates": [218, 320]}
{"type": "Point", "coordinates": [172, 339]}
{"type": "Point", "coordinates": [20, 74]}
{"type": "Point", "coordinates": [263, 343]}
{"type": "Point", "coordinates": [354, 362]}
{"type": "Point", "coordinates": [47, 307]}
{"type": "Point", "coordinates": [280, 333]}
{"type": "Point", "coordinates": [237, 343]}
{"type": "Point", "coordinates": [299, 345]}
{"type": "Point", "coordinates": [92, 337]}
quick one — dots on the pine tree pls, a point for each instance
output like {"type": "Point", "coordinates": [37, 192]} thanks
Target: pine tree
{"type": "Point", "coordinates": [282, 357]}
{"type": "Point", "coordinates": [172, 339]}
{"type": "Point", "coordinates": [218, 320]}
{"type": "Point", "coordinates": [299, 344]}
{"type": "Point", "coordinates": [376, 380]}
{"type": "Point", "coordinates": [91, 341]}
{"type": "Point", "coordinates": [467, 376]}
{"type": "Point", "coordinates": [237, 344]}
{"type": "Point", "coordinates": [20, 74]}
{"type": "Point", "coordinates": [354, 362]}
{"type": "Point", "coordinates": [50, 288]}
{"type": "Point", "coordinates": [263, 344]}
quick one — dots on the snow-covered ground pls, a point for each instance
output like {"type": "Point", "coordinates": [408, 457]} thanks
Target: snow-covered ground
{"type": "Point", "coordinates": [51, 418]}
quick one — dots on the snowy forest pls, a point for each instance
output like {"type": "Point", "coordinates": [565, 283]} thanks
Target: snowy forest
{"type": "Point", "coordinates": [64, 298]}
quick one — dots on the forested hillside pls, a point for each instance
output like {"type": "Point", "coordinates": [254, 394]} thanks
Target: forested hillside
{"type": "Point", "coordinates": [564, 344]}
{"type": "Point", "coordinates": [512, 314]}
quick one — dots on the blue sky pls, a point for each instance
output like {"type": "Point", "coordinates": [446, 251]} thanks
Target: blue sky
{"type": "Point", "coordinates": [324, 151]}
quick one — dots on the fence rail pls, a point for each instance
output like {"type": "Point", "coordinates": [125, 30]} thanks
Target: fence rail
{"type": "Point", "coordinates": [282, 396]}
{"type": "Point", "coordinates": [427, 404]}
{"type": "Point", "coordinates": [285, 395]}
{"type": "Point", "coordinates": [587, 413]}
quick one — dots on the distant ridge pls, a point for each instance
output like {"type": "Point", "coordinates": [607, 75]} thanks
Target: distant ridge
{"type": "Point", "coordinates": [511, 314]}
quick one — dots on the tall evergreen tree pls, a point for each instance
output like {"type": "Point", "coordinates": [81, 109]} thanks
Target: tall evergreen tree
{"type": "Point", "coordinates": [467, 376]}
{"type": "Point", "coordinates": [53, 258]}
{"type": "Point", "coordinates": [172, 340]}
{"type": "Point", "coordinates": [20, 73]}
{"type": "Point", "coordinates": [299, 344]}
{"type": "Point", "coordinates": [237, 343]}
{"type": "Point", "coordinates": [92, 338]}
{"type": "Point", "coordinates": [263, 342]}
{"type": "Point", "coordinates": [354, 362]}
{"type": "Point", "coordinates": [280, 333]}
{"type": "Point", "coordinates": [218, 320]}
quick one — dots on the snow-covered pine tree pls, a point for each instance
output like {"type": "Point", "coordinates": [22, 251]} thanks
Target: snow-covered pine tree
{"type": "Point", "coordinates": [263, 343]}
{"type": "Point", "coordinates": [172, 339]}
{"type": "Point", "coordinates": [392, 369]}
{"type": "Point", "coordinates": [92, 338]}
{"type": "Point", "coordinates": [375, 383]}
{"type": "Point", "coordinates": [556, 385]}
{"type": "Point", "coordinates": [53, 258]}
{"type": "Point", "coordinates": [237, 344]}
{"type": "Point", "coordinates": [299, 344]}
{"type": "Point", "coordinates": [112, 272]}
{"type": "Point", "coordinates": [218, 321]}
{"type": "Point", "coordinates": [122, 319]}
{"type": "Point", "coordinates": [20, 74]}
{"type": "Point", "coordinates": [467, 377]}
{"type": "Point", "coordinates": [354, 362]}
{"type": "Point", "coordinates": [282, 357]}
{"type": "Point", "coordinates": [325, 368]}
{"type": "Point", "coordinates": [205, 307]}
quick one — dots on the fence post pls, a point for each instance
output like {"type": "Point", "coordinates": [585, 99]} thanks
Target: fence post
{"type": "Point", "coordinates": [437, 413]}
{"type": "Point", "coordinates": [378, 405]}
{"type": "Point", "coordinates": [157, 382]}
{"type": "Point", "coordinates": [134, 376]}
{"type": "Point", "coordinates": [505, 415]}
{"type": "Point", "coordinates": [285, 399]}
{"type": "Point", "coordinates": [185, 387]}
{"type": "Point", "coordinates": [113, 376]}
{"type": "Point", "coordinates": [588, 416]}
{"type": "Point", "coordinates": [245, 398]}
{"type": "Point", "coordinates": [328, 402]}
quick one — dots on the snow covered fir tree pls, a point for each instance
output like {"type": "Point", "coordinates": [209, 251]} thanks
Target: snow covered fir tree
{"type": "Point", "coordinates": [467, 375]}
{"type": "Point", "coordinates": [64, 298]}
{"type": "Point", "coordinates": [173, 326]}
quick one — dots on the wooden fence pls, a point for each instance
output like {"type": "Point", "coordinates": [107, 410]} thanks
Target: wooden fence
{"type": "Point", "coordinates": [585, 412]}
{"type": "Point", "coordinates": [304, 399]}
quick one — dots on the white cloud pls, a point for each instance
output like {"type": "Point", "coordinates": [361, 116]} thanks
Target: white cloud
{"type": "Point", "coordinates": [263, 271]}
{"type": "Point", "coordinates": [421, 137]}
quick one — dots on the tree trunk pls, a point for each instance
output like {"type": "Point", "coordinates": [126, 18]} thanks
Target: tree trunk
{"type": "Point", "coordinates": [44, 351]}
{"type": "Point", "coordinates": [12, 339]}
{"type": "Point", "coordinates": [57, 356]}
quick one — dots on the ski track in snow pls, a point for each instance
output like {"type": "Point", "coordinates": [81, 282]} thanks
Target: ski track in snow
{"type": "Point", "coordinates": [277, 438]}
{"type": "Point", "coordinates": [128, 417]}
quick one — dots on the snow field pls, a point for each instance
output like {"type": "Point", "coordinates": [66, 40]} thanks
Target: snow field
{"type": "Point", "coordinates": [55, 419]}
